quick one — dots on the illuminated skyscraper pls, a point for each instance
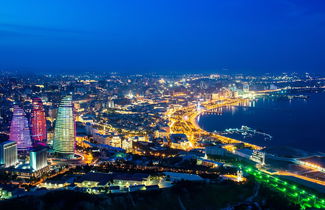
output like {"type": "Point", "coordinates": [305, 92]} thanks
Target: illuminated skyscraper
{"type": "Point", "coordinates": [8, 153]}
{"type": "Point", "coordinates": [38, 158]}
{"type": "Point", "coordinates": [19, 130]}
{"type": "Point", "coordinates": [38, 121]}
{"type": "Point", "coordinates": [64, 132]}
{"type": "Point", "coordinates": [246, 87]}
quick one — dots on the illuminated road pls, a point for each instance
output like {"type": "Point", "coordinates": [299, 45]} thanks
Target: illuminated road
{"type": "Point", "coordinates": [295, 194]}
{"type": "Point", "coordinates": [85, 158]}
{"type": "Point", "coordinates": [285, 173]}
{"type": "Point", "coordinates": [184, 120]}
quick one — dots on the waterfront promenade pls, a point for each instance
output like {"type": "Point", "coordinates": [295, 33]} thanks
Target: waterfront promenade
{"type": "Point", "coordinates": [184, 120]}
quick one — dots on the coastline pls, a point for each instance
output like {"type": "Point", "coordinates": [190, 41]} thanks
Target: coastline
{"type": "Point", "coordinates": [230, 102]}
{"type": "Point", "coordinates": [283, 136]}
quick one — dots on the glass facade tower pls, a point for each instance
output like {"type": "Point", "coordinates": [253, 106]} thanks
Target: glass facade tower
{"type": "Point", "coordinates": [64, 132]}
{"type": "Point", "coordinates": [38, 158]}
{"type": "Point", "coordinates": [19, 129]}
{"type": "Point", "coordinates": [38, 122]}
{"type": "Point", "coordinates": [8, 153]}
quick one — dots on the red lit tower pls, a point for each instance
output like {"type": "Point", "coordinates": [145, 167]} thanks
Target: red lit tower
{"type": "Point", "coordinates": [38, 122]}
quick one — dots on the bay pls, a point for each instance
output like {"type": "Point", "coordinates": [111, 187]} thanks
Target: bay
{"type": "Point", "coordinates": [297, 123]}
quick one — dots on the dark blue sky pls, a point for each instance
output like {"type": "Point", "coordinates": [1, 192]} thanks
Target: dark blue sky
{"type": "Point", "coordinates": [163, 35]}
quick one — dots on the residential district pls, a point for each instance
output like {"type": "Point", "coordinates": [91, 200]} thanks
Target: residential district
{"type": "Point", "coordinates": [111, 133]}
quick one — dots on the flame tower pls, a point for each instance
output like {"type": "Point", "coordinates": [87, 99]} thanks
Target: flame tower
{"type": "Point", "coordinates": [64, 132]}
{"type": "Point", "coordinates": [19, 130]}
{"type": "Point", "coordinates": [38, 122]}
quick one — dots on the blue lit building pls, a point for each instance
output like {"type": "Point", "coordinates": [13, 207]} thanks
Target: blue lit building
{"type": "Point", "coordinates": [8, 153]}
{"type": "Point", "coordinates": [38, 158]}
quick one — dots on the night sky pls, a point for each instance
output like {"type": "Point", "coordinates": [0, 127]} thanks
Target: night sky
{"type": "Point", "coordinates": [254, 36]}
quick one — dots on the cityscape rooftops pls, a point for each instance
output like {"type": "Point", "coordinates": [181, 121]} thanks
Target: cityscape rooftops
{"type": "Point", "coordinates": [104, 178]}
{"type": "Point", "coordinates": [178, 137]}
{"type": "Point", "coordinates": [183, 176]}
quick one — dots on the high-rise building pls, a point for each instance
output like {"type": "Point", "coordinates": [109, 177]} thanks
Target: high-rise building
{"type": "Point", "coordinates": [38, 158]}
{"type": "Point", "coordinates": [19, 129]}
{"type": "Point", "coordinates": [116, 141]}
{"type": "Point", "coordinates": [110, 104]}
{"type": "Point", "coordinates": [64, 131]}
{"type": "Point", "coordinates": [38, 122]}
{"type": "Point", "coordinates": [246, 87]}
{"type": "Point", "coordinates": [8, 153]}
{"type": "Point", "coordinates": [258, 157]}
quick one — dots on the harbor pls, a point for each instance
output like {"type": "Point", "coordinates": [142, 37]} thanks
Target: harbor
{"type": "Point", "coordinates": [246, 132]}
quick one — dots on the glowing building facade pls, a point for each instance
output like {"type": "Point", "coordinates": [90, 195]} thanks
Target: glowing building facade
{"type": "Point", "coordinates": [19, 130]}
{"type": "Point", "coordinates": [64, 132]}
{"type": "Point", "coordinates": [8, 153]}
{"type": "Point", "coordinates": [38, 158]}
{"type": "Point", "coordinates": [38, 122]}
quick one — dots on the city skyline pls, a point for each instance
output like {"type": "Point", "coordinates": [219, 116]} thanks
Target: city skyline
{"type": "Point", "coordinates": [119, 134]}
{"type": "Point", "coordinates": [162, 104]}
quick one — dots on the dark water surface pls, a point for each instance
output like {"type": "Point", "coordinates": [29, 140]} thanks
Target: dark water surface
{"type": "Point", "coordinates": [298, 123]}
